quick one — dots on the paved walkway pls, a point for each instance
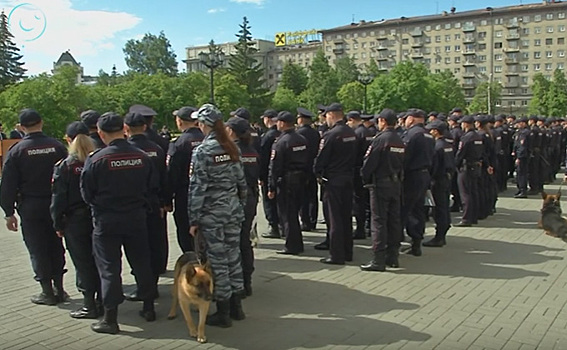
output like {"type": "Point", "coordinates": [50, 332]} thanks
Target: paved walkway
{"type": "Point", "coordinates": [500, 285]}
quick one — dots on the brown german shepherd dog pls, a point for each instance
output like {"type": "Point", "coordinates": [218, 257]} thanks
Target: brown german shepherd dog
{"type": "Point", "coordinates": [551, 221]}
{"type": "Point", "coordinates": [192, 285]}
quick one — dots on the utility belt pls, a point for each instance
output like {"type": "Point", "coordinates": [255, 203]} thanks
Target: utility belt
{"type": "Point", "coordinates": [471, 166]}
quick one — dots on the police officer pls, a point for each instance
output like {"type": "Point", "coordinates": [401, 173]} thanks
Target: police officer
{"type": "Point", "coordinates": [245, 114]}
{"type": "Point", "coordinates": [382, 173]}
{"type": "Point", "coordinates": [239, 132]}
{"type": "Point", "coordinates": [468, 161]}
{"type": "Point", "coordinates": [288, 162]}
{"type": "Point", "coordinates": [178, 160]}
{"type": "Point", "coordinates": [26, 186]}
{"type": "Point", "coordinates": [487, 197]}
{"type": "Point", "coordinates": [90, 118]}
{"type": "Point", "coordinates": [442, 170]}
{"type": "Point", "coordinates": [135, 126]}
{"type": "Point", "coordinates": [151, 134]}
{"type": "Point", "coordinates": [504, 153]}
{"type": "Point", "coordinates": [368, 122]}
{"type": "Point", "coordinates": [117, 182]}
{"type": "Point", "coordinates": [417, 163]}
{"type": "Point", "coordinates": [360, 195]}
{"type": "Point", "coordinates": [334, 168]}
{"type": "Point", "coordinates": [218, 194]}
{"type": "Point", "coordinates": [270, 205]}
{"type": "Point", "coordinates": [521, 153]}
{"type": "Point", "coordinates": [456, 134]}
{"type": "Point", "coordinates": [323, 126]}
{"type": "Point", "coordinates": [72, 219]}
{"type": "Point", "coordinates": [534, 173]}
{"type": "Point", "coordinates": [310, 205]}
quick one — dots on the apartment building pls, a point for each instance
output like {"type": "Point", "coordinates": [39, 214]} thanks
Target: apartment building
{"type": "Point", "coordinates": [507, 45]}
{"type": "Point", "coordinates": [302, 55]}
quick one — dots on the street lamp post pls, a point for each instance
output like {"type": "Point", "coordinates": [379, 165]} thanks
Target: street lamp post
{"type": "Point", "coordinates": [212, 60]}
{"type": "Point", "coordinates": [365, 79]}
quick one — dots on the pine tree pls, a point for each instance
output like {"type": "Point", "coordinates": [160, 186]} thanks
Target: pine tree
{"type": "Point", "coordinates": [247, 71]}
{"type": "Point", "coordinates": [11, 67]}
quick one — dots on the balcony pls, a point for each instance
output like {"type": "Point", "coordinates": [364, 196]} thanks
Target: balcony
{"type": "Point", "coordinates": [511, 84]}
{"type": "Point", "coordinates": [469, 75]}
{"type": "Point", "coordinates": [467, 86]}
{"type": "Point", "coordinates": [383, 68]}
{"type": "Point", "coordinates": [382, 38]}
{"type": "Point", "coordinates": [513, 37]}
{"type": "Point", "coordinates": [417, 55]}
{"type": "Point", "coordinates": [511, 49]}
{"type": "Point", "coordinates": [382, 58]}
{"type": "Point", "coordinates": [512, 25]}
{"type": "Point", "coordinates": [417, 44]}
{"type": "Point", "coordinates": [469, 39]}
{"type": "Point", "coordinates": [469, 52]}
{"type": "Point", "coordinates": [511, 61]}
{"type": "Point", "coordinates": [338, 50]}
{"type": "Point", "coordinates": [381, 48]}
{"type": "Point", "coordinates": [511, 73]}
{"type": "Point", "coordinates": [469, 63]}
{"type": "Point", "coordinates": [469, 28]}
{"type": "Point", "coordinates": [415, 33]}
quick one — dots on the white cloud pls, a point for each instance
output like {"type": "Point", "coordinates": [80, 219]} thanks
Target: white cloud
{"type": "Point", "coordinates": [216, 10]}
{"type": "Point", "coordinates": [50, 27]}
{"type": "Point", "coordinates": [257, 2]}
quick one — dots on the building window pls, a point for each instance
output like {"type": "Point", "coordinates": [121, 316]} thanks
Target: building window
{"type": "Point", "coordinates": [458, 59]}
{"type": "Point", "coordinates": [447, 37]}
{"type": "Point", "coordinates": [457, 48]}
{"type": "Point", "coordinates": [363, 55]}
{"type": "Point", "coordinates": [524, 103]}
{"type": "Point", "coordinates": [524, 80]}
{"type": "Point", "coordinates": [526, 55]}
{"type": "Point", "coordinates": [537, 42]}
{"type": "Point", "coordinates": [438, 27]}
{"type": "Point", "coordinates": [427, 61]}
{"type": "Point", "coordinates": [437, 49]}
{"type": "Point", "coordinates": [328, 49]}
{"type": "Point", "coordinates": [372, 54]}
{"type": "Point", "coordinates": [372, 43]}
{"type": "Point", "coordinates": [438, 60]}
{"type": "Point", "coordinates": [525, 91]}
{"type": "Point", "coordinates": [525, 43]}
{"type": "Point", "coordinates": [537, 54]}
{"type": "Point", "coordinates": [549, 41]}
{"type": "Point", "coordinates": [482, 69]}
{"type": "Point", "coordinates": [482, 58]}
{"type": "Point", "coordinates": [549, 54]}
{"type": "Point", "coordinates": [363, 45]}
{"type": "Point", "coordinates": [457, 36]}
{"type": "Point", "coordinates": [525, 67]}
{"type": "Point", "coordinates": [339, 36]}
{"type": "Point", "coordinates": [355, 46]}
{"type": "Point", "coordinates": [363, 34]}
{"type": "Point", "coordinates": [347, 36]}
{"type": "Point", "coordinates": [549, 16]}
{"type": "Point", "coordinates": [498, 57]}
{"type": "Point", "coordinates": [498, 33]}
{"type": "Point", "coordinates": [355, 56]}
{"type": "Point", "coordinates": [347, 47]}
{"type": "Point", "coordinates": [482, 35]}
{"type": "Point", "coordinates": [481, 47]}
{"type": "Point", "coordinates": [373, 33]}
{"type": "Point", "coordinates": [392, 32]}
{"type": "Point", "coordinates": [497, 45]}
{"type": "Point", "coordinates": [447, 60]}
{"type": "Point", "coordinates": [499, 21]}
{"type": "Point", "coordinates": [427, 28]}
{"type": "Point", "coordinates": [512, 103]}
{"type": "Point", "coordinates": [438, 38]}
{"type": "Point", "coordinates": [537, 18]}
{"type": "Point", "coordinates": [526, 19]}
{"type": "Point", "coordinates": [537, 67]}
{"type": "Point", "coordinates": [548, 66]}
{"type": "Point", "coordinates": [560, 41]}
{"type": "Point", "coordinates": [498, 69]}
{"type": "Point", "coordinates": [561, 53]}
{"type": "Point", "coordinates": [549, 29]}
{"type": "Point", "coordinates": [561, 27]}
{"type": "Point", "coordinates": [537, 30]}
{"type": "Point", "coordinates": [561, 65]}
{"type": "Point", "coordinates": [526, 31]}
{"type": "Point", "coordinates": [457, 25]}
{"type": "Point", "coordinates": [405, 41]}
{"type": "Point", "coordinates": [447, 25]}
{"type": "Point", "coordinates": [561, 15]}
{"type": "Point", "coordinates": [447, 48]}
{"type": "Point", "coordinates": [483, 22]}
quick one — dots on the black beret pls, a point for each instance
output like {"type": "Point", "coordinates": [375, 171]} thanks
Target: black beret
{"type": "Point", "coordinates": [270, 113]}
{"type": "Point", "coordinates": [90, 118]}
{"type": "Point", "coordinates": [242, 113]}
{"type": "Point", "coordinates": [433, 113]}
{"type": "Point", "coordinates": [304, 113]}
{"type": "Point", "coordinates": [134, 119]}
{"type": "Point", "coordinates": [437, 125]}
{"type": "Point", "coordinates": [76, 128]}
{"type": "Point", "coordinates": [353, 115]}
{"type": "Point", "coordinates": [143, 110]}
{"type": "Point", "coordinates": [185, 113]}
{"type": "Point", "coordinates": [388, 114]}
{"type": "Point", "coordinates": [467, 119]}
{"type": "Point", "coordinates": [522, 120]}
{"type": "Point", "coordinates": [29, 117]}
{"type": "Point", "coordinates": [416, 113]}
{"type": "Point", "coordinates": [285, 116]}
{"type": "Point", "coordinates": [110, 122]}
{"type": "Point", "coordinates": [239, 125]}
{"type": "Point", "coordinates": [334, 107]}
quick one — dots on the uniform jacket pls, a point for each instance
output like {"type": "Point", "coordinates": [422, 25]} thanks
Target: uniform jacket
{"type": "Point", "coordinates": [66, 196]}
{"type": "Point", "coordinates": [265, 151]}
{"type": "Point", "coordinates": [470, 150]}
{"type": "Point", "coordinates": [337, 151]}
{"type": "Point", "coordinates": [443, 160]}
{"type": "Point", "coordinates": [419, 148]}
{"type": "Point", "coordinates": [384, 157]}
{"type": "Point", "coordinates": [313, 139]}
{"type": "Point", "coordinates": [289, 154]}
{"type": "Point", "coordinates": [157, 156]}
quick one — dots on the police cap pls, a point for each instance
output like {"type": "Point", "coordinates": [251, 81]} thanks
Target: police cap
{"type": "Point", "coordinates": [402, 115]}
{"type": "Point", "coordinates": [499, 118]}
{"type": "Point", "coordinates": [29, 117]}
{"type": "Point", "coordinates": [387, 114]}
{"type": "Point", "coordinates": [455, 117]}
{"type": "Point", "coordinates": [442, 117]}
{"type": "Point", "coordinates": [416, 113]}
{"type": "Point", "coordinates": [353, 115]}
{"type": "Point", "coordinates": [513, 117]}
{"type": "Point", "coordinates": [146, 111]}
{"type": "Point", "coordinates": [433, 113]}
{"type": "Point", "coordinates": [242, 113]}
{"type": "Point", "coordinates": [134, 119]}
{"type": "Point", "coordinates": [209, 114]}
{"type": "Point", "coordinates": [560, 119]}
{"type": "Point", "coordinates": [185, 113]}
{"type": "Point", "coordinates": [533, 117]}
{"type": "Point", "coordinates": [90, 118]}
{"type": "Point", "coordinates": [366, 116]}
{"type": "Point", "coordinates": [522, 120]}
{"type": "Point", "coordinates": [552, 119]}
{"type": "Point", "coordinates": [238, 125]}
{"type": "Point", "coordinates": [456, 110]}
{"type": "Point", "coordinates": [467, 119]}
{"type": "Point", "coordinates": [110, 122]}
{"type": "Point", "coordinates": [334, 107]}
{"type": "Point", "coordinates": [541, 119]}
{"type": "Point", "coordinates": [304, 113]}
{"type": "Point", "coordinates": [481, 119]}
{"type": "Point", "coordinates": [437, 125]}
{"type": "Point", "coordinates": [76, 128]}
{"type": "Point", "coordinates": [285, 116]}
{"type": "Point", "coordinates": [270, 113]}
{"type": "Point", "coordinates": [321, 108]}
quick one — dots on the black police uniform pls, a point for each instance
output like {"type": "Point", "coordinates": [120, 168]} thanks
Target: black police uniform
{"type": "Point", "coordinates": [90, 118]}
{"type": "Point", "coordinates": [487, 197]}
{"type": "Point", "coordinates": [97, 140]}
{"type": "Point", "coordinates": [72, 216]}
{"type": "Point", "coordinates": [178, 162]}
{"type": "Point", "coordinates": [456, 134]}
{"type": "Point", "coordinates": [503, 156]}
{"type": "Point", "coordinates": [26, 186]}
{"type": "Point", "coordinates": [360, 195]}
{"type": "Point", "coordinates": [288, 162]}
{"type": "Point", "coordinates": [334, 166]}
{"type": "Point", "coordinates": [117, 182]}
{"type": "Point", "coordinates": [310, 205]}
{"type": "Point", "coordinates": [468, 162]}
{"type": "Point", "coordinates": [522, 154]}
{"type": "Point", "coordinates": [417, 163]}
{"type": "Point", "coordinates": [156, 223]}
{"type": "Point", "coordinates": [270, 205]}
{"type": "Point", "coordinates": [534, 172]}
{"type": "Point", "coordinates": [382, 170]}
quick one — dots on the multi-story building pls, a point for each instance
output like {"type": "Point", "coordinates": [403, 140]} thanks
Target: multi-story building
{"type": "Point", "coordinates": [508, 45]}
{"type": "Point", "coordinates": [301, 54]}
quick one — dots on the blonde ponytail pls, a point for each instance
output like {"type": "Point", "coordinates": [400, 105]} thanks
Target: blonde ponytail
{"type": "Point", "coordinates": [81, 147]}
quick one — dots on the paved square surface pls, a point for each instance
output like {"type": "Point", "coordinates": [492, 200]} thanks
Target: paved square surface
{"type": "Point", "coordinates": [500, 285]}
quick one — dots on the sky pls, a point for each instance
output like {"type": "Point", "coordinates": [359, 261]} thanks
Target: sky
{"type": "Point", "coordinates": [95, 31]}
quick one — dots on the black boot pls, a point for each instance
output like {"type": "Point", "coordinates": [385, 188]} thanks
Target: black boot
{"type": "Point", "coordinates": [109, 323]}
{"type": "Point", "coordinates": [435, 242]}
{"type": "Point", "coordinates": [376, 264]}
{"type": "Point", "coordinates": [415, 247]}
{"type": "Point", "coordinates": [236, 312]}
{"type": "Point", "coordinates": [46, 297]}
{"type": "Point", "coordinates": [60, 295]}
{"type": "Point", "coordinates": [274, 232]}
{"type": "Point", "coordinates": [88, 310]}
{"type": "Point", "coordinates": [221, 318]}
{"type": "Point", "coordinates": [148, 312]}
{"type": "Point", "coordinates": [392, 259]}
{"type": "Point", "coordinates": [359, 233]}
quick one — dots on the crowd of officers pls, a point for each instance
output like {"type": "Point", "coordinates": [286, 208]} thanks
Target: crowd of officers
{"type": "Point", "coordinates": [115, 185]}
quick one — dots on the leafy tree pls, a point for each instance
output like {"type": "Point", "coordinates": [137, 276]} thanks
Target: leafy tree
{"type": "Point", "coordinates": [284, 100]}
{"type": "Point", "coordinates": [351, 96]}
{"type": "Point", "coordinates": [539, 104]}
{"type": "Point", "coordinates": [557, 95]}
{"type": "Point", "coordinates": [346, 70]}
{"type": "Point", "coordinates": [445, 92]}
{"type": "Point", "coordinates": [248, 72]}
{"type": "Point", "coordinates": [11, 66]}
{"type": "Point", "coordinates": [486, 92]}
{"type": "Point", "coordinates": [372, 68]}
{"type": "Point", "coordinates": [294, 78]}
{"type": "Point", "coordinates": [229, 94]}
{"type": "Point", "coordinates": [151, 55]}
{"type": "Point", "coordinates": [323, 84]}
